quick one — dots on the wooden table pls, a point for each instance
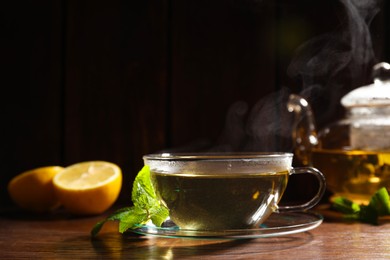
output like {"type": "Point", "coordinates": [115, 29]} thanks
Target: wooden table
{"type": "Point", "coordinates": [61, 236]}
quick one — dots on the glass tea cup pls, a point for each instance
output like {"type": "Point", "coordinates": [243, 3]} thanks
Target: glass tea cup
{"type": "Point", "coordinates": [222, 191]}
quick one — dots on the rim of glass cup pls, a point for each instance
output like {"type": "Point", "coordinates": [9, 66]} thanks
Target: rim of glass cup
{"type": "Point", "coordinates": [216, 156]}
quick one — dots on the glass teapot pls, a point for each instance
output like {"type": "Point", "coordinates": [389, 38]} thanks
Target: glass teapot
{"type": "Point", "coordinates": [353, 153]}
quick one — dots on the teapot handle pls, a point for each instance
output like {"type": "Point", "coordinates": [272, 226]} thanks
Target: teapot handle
{"type": "Point", "coordinates": [304, 134]}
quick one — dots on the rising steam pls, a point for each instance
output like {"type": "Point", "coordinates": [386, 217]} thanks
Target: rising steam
{"type": "Point", "coordinates": [336, 59]}
{"type": "Point", "coordinates": [322, 63]}
{"type": "Point", "coordinates": [262, 129]}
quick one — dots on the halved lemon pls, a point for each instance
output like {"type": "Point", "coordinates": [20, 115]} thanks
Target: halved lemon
{"type": "Point", "coordinates": [33, 190]}
{"type": "Point", "coordinates": [88, 188]}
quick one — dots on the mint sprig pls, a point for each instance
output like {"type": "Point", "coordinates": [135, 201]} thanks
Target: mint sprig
{"type": "Point", "coordinates": [146, 206]}
{"type": "Point", "coordinates": [379, 205]}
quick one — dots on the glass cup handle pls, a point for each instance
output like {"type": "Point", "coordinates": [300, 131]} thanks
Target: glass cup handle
{"type": "Point", "coordinates": [314, 201]}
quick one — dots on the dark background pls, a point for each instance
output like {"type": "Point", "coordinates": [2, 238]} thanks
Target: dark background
{"type": "Point", "coordinates": [114, 80]}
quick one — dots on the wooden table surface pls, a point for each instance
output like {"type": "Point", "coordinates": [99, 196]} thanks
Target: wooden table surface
{"type": "Point", "coordinates": [63, 237]}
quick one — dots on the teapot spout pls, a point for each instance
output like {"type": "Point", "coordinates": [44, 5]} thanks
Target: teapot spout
{"type": "Point", "coordinates": [304, 134]}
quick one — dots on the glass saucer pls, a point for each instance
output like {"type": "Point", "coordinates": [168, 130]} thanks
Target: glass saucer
{"type": "Point", "coordinates": [278, 224]}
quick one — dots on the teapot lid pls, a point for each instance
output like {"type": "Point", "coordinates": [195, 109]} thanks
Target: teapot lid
{"type": "Point", "coordinates": [376, 94]}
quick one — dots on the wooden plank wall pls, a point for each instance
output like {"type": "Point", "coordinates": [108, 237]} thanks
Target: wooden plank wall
{"type": "Point", "coordinates": [114, 80]}
{"type": "Point", "coordinates": [31, 82]}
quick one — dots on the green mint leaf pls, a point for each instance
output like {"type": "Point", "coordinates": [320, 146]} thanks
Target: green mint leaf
{"type": "Point", "coordinates": [146, 206]}
{"type": "Point", "coordinates": [143, 194]}
{"type": "Point", "coordinates": [159, 215]}
{"type": "Point", "coordinates": [134, 217]}
{"type": "Point", "coordinates": [96, 229]}
{"type": "Point", "coordinates": [117, 215]}
{"type": "Point", "coordinates": [380, 201]}
{"type": "Point", "coordinates": [345, 206]}
{"type": "Point", "coordinates": [379, 205]}
{"type": "Point", "coordinates": [368, 214]}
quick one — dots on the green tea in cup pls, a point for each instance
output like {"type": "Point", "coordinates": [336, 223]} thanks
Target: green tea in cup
{"type": "Point", "coordinates": [224, 191]}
